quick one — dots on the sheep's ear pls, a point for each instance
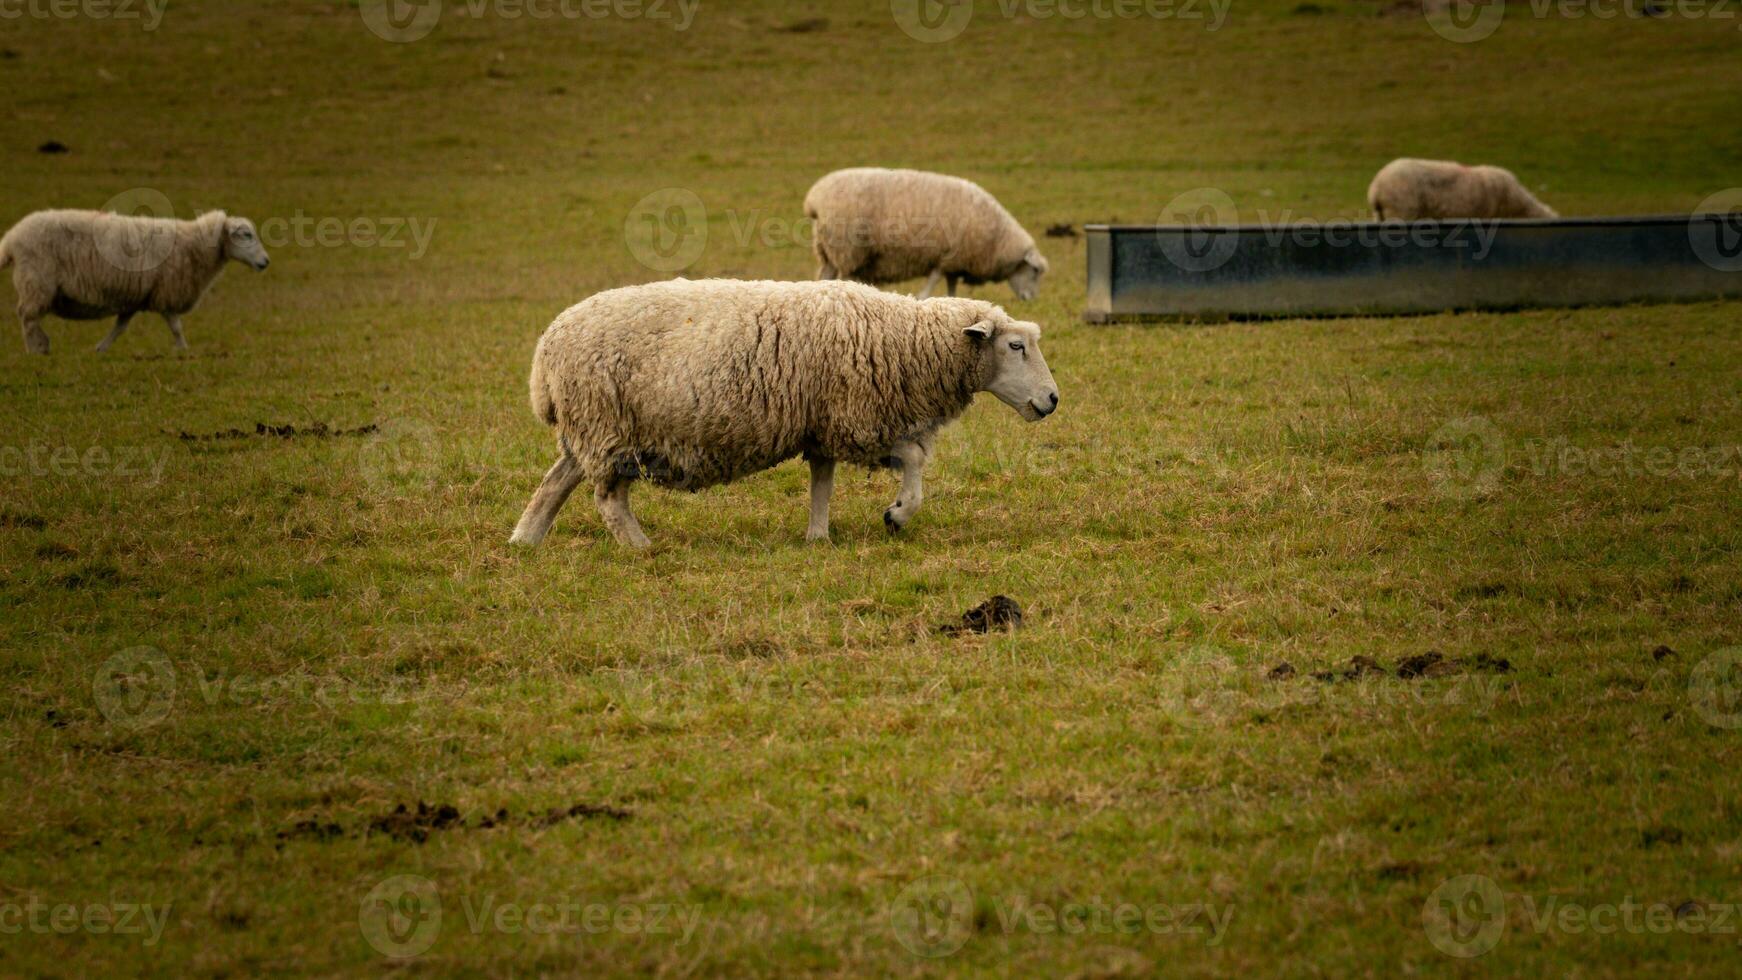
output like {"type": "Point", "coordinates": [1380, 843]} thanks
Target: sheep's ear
{"type": "Point", "coordinates": [1034, 258]}
{"type": "Point", "coordinates": [979, 331]}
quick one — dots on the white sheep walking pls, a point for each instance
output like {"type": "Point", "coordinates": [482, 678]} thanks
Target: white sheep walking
{"type": "Point", "coordinates": [690, 384]}
{"type": "Point", "coordinates": [88, 265]}
{"type": "Point", "coordinates": [886, 226]}
{"type": "Point", "coordinates": [1407, 189]}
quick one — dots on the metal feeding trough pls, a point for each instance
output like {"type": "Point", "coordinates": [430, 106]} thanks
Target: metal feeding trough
{"type": "Point", "coordinates": [1369, 267]}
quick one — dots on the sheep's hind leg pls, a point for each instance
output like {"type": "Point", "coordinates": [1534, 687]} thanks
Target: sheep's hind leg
{"type": "Point", "coordinates": [951, 282]}
{"type": "Point", "coordinates": [822, 485]}
{"type": "Point", "coordinates": [181, 342]}
{"type": "Point", "coordinates": [613, 501]}
{"type": "Point", "coordinates": [121, 323]}
{"type": "Point", "coordinates": [551, 495]}
{"type": "Point", "coordinates": [931, 284]}
{"type": "Point", "coordinates": [911, 456]}
{"type": "Point", "coordinates": [35, 340]}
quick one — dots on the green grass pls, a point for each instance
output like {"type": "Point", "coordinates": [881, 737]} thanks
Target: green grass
{"type": "Point", "coordinates": [793, 742]}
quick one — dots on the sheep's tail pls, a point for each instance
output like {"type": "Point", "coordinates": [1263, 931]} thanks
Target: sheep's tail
{"type": "Point", "coordinates": [543, 404]}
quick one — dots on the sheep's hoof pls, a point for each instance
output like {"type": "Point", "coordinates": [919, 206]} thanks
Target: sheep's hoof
{"type": "Point", "coordinates": [822, 536]}
{"type": "Point", "coordinates": [634, 541]}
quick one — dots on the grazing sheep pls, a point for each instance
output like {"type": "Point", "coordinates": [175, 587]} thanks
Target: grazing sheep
{"type": "Point", "coordinates": [1407, 190]}
{"type": "Point", "coordinates": [87, 265]}
{"type": "Point", "coordinates": [884, 226]}
{"type": "Point", "coordinates": [690, 384]}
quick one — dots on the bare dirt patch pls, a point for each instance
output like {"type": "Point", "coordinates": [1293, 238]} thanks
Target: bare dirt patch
{"type": "Point", "coordinates": [319, 430]}
{"type": "Point", "coordinates": [998, 612]}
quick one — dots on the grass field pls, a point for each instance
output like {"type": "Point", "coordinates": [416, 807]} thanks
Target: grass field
{"type": "Point", "coordinates": [227, 662]}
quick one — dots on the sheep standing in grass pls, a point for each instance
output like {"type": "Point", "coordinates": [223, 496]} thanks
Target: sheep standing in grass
{"type": "Point", "coordinates": [884, 226]}
{"type": "Point", "coordinates": [1408, 190]}
{"type": "Point", "coordinates": [88, 265]}
{"type": "Point", "coordinates": [690, 384]}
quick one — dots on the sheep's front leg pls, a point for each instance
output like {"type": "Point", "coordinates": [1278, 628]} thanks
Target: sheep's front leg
{"type": "Point", "coordinates": [951, 280]}
{"type": "Point", "coordinates": [613, 501]}
{"type": "Point", "coordinates": [35, 340]}
{"type": "Point", "coordinates": [911, 456]}
{"type": "Point", "coordinates": [826, 270]}
{"type": "Point", "coordinates": [931, 284]}
{"type": "Point", "coordinates": [822, 485]}
{"type": "Point", "coordinates": [181, 342]}
{"type": "Point", "coordinates": [551, 495]}
{"type": "Point", "coordinates": [121, 323]}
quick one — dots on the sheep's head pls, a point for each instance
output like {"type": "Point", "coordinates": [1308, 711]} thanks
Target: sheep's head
{"type": "Point", "coordinates": [1026, 279]}
{"type": "Point", "coordinates": [1012, 366]}
{"type": "Point", "coordinates": [242, 243]}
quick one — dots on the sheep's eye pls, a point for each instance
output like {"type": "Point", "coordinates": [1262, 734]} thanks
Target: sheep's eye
{"type": "Point", "coordinates": [1016, 345]}
{"type": "Point", "coordinates": [244, 234]}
